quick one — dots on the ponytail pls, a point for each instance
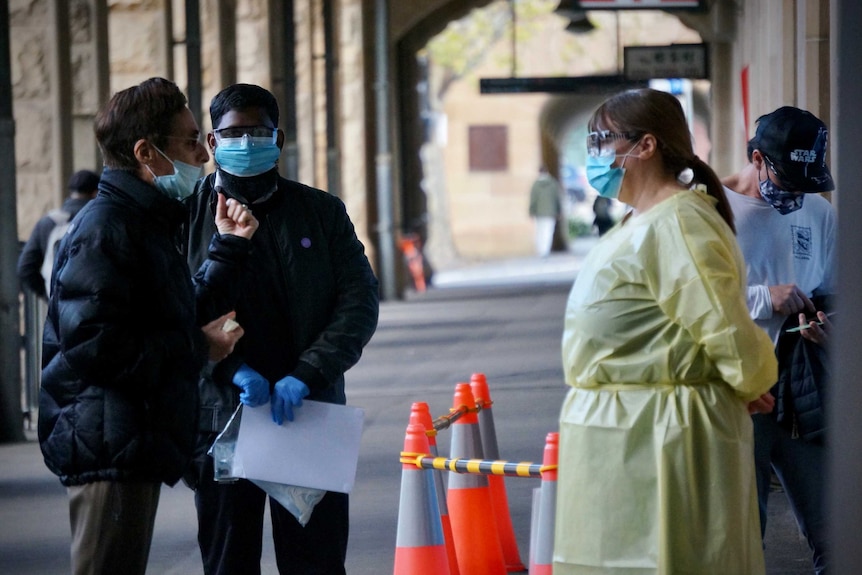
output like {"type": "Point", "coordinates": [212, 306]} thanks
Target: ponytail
{"type": "Point", "coordinates": [703, 174]}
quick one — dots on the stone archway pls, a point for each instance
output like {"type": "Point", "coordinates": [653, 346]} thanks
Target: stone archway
{"type": "Point", "coordinates": [416, 196]}
{"type": "Point", "coordinates": [465, 212]}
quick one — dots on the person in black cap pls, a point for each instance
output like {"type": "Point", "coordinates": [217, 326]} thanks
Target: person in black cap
{"type": "Point", "coordinates": [786, 230]}
{"type": "Point", "coordinates": [82, 188]}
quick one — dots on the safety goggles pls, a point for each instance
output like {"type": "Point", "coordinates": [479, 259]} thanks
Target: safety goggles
{"type": "Point", "coordinates": [600, 143]}
{"type": "Point", "coordinates": [240, 131]}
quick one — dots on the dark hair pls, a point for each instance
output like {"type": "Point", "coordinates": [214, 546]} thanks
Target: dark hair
{"type": "Point", "coordinates": [146, 111]}
{"type": "Point", "coordinates": [243, 97]}
{"type": "Point", "coordinates": [84, 182]}
{"type": "Point", "coordinates": [646, 111]}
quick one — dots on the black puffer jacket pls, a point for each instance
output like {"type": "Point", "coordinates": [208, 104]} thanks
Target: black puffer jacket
{"type": "Point", "coordinates": [308, 304]}
{"type": "Point", "coordinates": [803, 381]}
{"type": "Point", "coordinates": [122, 350]}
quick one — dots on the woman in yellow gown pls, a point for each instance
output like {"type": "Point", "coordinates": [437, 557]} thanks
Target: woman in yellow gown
{"type": "Point", "coordinates": [656, 451]}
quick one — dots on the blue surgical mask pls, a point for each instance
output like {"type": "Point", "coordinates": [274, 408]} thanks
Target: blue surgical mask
{"type": "Point", "coordinates": [784, 202]}
{"type": "Point", "coordinates": [180, 184]}
{"type": "Point", "coordinates": [247, 156]}
{"type": "Point", "coordinates": [606, 180]}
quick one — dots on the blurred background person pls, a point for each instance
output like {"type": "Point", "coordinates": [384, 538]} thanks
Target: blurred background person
{"type": "Point", "coordinates": [34, 268]}
{"type": "Point", "coordinates": [545, 210]}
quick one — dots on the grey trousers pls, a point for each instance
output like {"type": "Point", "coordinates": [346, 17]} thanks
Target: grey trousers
{"type": "Point", "coordinates": [112, 526]}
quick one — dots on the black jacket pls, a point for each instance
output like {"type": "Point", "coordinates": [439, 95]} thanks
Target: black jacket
{"type": "Point", "coordinates": [309, 300]}
{"type": "Point", "coordinates": [803, 381]}
{"type": "Point", "coordinates": [122, 350]}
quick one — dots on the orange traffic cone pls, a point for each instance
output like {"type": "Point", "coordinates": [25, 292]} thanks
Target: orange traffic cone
{"type": "Point", "coordinates": [499, 501]}
{"type": "Point", "coordinates": [419, 545]}
{"type": "Point", "coordinates": [476, 542]}
{"type": "Point", "coordinates": [411, 246]}
{"type": "Point", "coordinates": [542, 557]}
{"type": "Point", "coordinates": [421, 414]}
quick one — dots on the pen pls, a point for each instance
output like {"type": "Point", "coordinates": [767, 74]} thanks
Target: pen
{"type": "Point", "coordinates": [806, 326]}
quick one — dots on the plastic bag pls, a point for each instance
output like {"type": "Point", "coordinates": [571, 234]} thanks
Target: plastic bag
{"type": "Point", "coordinates": [300, 501]}
{"type": "Point", "coordinates": [223, 450]}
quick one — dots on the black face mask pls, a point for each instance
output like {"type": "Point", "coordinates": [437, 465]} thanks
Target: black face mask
{"type": "Point", "coordinates": [250, 190]}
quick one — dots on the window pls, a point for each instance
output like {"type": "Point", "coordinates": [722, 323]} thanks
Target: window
{"type": "Point", "coordinates": [489, 148]}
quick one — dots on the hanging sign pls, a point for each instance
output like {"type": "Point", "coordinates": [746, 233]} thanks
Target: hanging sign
{"type": "Point", "coordinates": [649, 4]}
{"type": "Point", "coordinates": [673, 61]}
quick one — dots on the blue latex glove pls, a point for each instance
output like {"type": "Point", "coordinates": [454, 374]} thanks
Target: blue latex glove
{"type": "Point", "coordinates": [254, 386]}
{"type": "Point", "coordinates": [288, 393]}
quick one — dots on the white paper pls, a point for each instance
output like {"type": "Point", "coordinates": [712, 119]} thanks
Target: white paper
{"type": "Point", "coordinates": [319, 448]}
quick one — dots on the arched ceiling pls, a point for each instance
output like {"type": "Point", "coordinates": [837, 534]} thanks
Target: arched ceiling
{"type": "Point", "coordinates": [413, 24]}
{"type": "Point", "coordinates": [422, 20]}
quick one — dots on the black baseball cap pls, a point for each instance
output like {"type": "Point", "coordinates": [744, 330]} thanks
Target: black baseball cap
{"type": "Point", "coordinates": [795, 141]}
{"type": "Point", "coordinates": [84, 181]}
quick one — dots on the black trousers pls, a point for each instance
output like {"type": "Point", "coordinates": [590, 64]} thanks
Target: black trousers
{"type": "Point", "coordinates": [230, 530]}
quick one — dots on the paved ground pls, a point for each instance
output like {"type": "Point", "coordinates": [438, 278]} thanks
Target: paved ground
{"type": "Point", "coordinates": [502, 319]}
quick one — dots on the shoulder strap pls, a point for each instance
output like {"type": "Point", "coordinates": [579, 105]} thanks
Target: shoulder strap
{"type": "Point", "coordinates": [59, 216]}
{"type": "Point", "coordinates": [62, 221]}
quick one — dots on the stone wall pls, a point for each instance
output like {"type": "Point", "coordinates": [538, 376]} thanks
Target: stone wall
{"type": "Point", "coordinates": [352, 122]}
{"type": "Point", "coordinates": [34, 91]}
{"type": "Point", "coordinates": [146, 38]}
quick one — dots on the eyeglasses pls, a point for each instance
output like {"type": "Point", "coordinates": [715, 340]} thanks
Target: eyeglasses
{"type": "Point", "coordinates": [595, 140]}
{"type": "Point", "coordinates": [782, 181]}
{"type": "Point", "coordinates": [240, 131]}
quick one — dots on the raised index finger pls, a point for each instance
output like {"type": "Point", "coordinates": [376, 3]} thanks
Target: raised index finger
{"type": "Point", "coordinates": [221, 207]}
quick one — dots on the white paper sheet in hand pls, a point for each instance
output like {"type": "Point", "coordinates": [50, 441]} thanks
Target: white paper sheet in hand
{"type": "Point", "coordinates": [319, 448]}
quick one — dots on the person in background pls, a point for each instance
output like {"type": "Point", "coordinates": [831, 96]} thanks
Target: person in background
{"type": "Point", "coordinates": [545, 210]}
{"type": "Point", "coordinates": [602, 210]}
{"type": "Point", "coordinates": [122, 348]}
{"type": "Point", "coordinates": [309, 304]}
{"type": "Point", "coordinates": [656, 473]}
{"type": "Point", "coordinates": [83, 186]}
{"type": "Point", "coordinates": [786, 231]}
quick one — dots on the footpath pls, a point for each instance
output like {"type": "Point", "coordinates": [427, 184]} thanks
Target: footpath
{"type": "Point", "coordinates": [503, 319]}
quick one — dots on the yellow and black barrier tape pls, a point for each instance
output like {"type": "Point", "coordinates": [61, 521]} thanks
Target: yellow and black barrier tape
{"type": "Point", "coordinates": [476, 466]}
{"type": "Point", "coordinates": [444, 421]}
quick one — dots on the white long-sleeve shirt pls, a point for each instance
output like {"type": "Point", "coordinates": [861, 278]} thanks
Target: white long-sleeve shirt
{"type": "Point", "coordinates": [797, 248]}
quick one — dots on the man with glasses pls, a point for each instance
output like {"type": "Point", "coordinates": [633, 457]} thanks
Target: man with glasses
{"type": "Point", "coordinates": [123, 344]}
{"type": "Point", "coordinates": [787, 234]}
{"type": "Point", "coordinates": [308, 302]}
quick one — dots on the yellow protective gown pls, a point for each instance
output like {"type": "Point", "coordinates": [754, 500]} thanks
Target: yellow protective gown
{"type": "Point", "coordinates": [656, 451]}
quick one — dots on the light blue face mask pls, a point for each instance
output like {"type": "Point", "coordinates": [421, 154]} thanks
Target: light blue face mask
{"type": "Point", "coordinates": [247, 156]}
{"type": "Point", "coordinates": [180, 184]}
{"type": "Point", "coordinates": [606, 180]}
